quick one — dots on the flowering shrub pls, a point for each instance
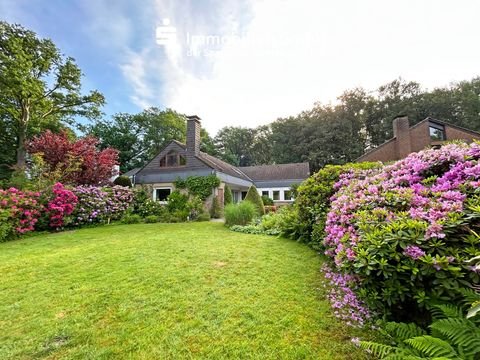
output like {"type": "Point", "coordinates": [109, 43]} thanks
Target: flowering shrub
{"type": "Point", "coordinates": [313, 199]}
{"type": "Point", "coordinates": [101, 204]}
{"type": "Point", "coordinates": [345, 303]}
{"type": "Point", "coordinates": [407, 230]}
{"type": "Point", "coordinates": [61, 206]}
{"type": "Point", "coordinates": [19, 212]}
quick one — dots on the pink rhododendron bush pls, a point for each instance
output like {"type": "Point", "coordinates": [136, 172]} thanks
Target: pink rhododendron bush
{"type": "Point", "coordinates": [19, 212]}
{"type": "Point", "coordinates": [58, 207]}
{"type": "Point", "coordinates": [401, 236]}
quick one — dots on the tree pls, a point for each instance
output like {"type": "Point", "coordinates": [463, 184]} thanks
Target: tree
{"type": "Point", "coordinates": [76, 162]}
{"type": "Point", "coordinates": [124, 132]}
{"type": "Point", "coordinates": [227, 195]}
{"type": "Point", "coordinates": [215, 209]}
{"type": "Point", "coordinates": [139, 137]}
{"type": "Point", "coordinates": [287, 140]}
{"type": "Point", "coordinates": [243, 146]}
{"type": "Point", "coordinates": [253, 197]}
{"type": "Point", "coordinates": [234, 145]}
{"type": "Point", "coordinates": [38, 86]}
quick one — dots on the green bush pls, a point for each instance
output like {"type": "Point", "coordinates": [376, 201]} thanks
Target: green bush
{"type": "Point", "coordinates": [150, 219]}
{"type": "Point", "coordinates": [194, 207]}
{"type": "Point", "coordinates": [227, 195]}
{"type": "Point", "coordinates": [284, 222]}
{"type": "Point", "coordinates": [267, 201]}
{"type": "Point", "coordinates": [203, 217]}
{"type": "Point", "coordinates": [144, 206]}
{"type": "Point", "coordinates": [239, 214]}
{"type": "Point", "coordinates": [254, 229]}
{"type": "Point", "coordinates": [255, 199]}
{"type": "Point", "coordinates": [131, 219]}
{"type": "Point", "coordinates": [151, 207]}
{"type": "Point", "coordinates": [313, 199]}
{"type": "Point", "coordinates": [248, 229]}
{"type": "Point", "coordinates": [123, 181]}
{"type": "Point", "coordinates": [215, 210]}
{"type": "Point", "coordinates": [177, 202]}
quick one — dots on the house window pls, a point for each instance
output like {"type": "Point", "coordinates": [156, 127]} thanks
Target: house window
{"type": "Point", "coordinates": [172, 159]}
{"type": "Point", "coordinates": [287, 195]}
{"type": "Point", "coordinates": [437, 132]}
{"type": "Point", "coordinates": [161, 194]}
{"type": "Point", "coordinates": [244, 195]}
{"type": "Point", "coordinates": [276, 195]}
{"type": "Point", "coordinates": [235, 197]}
{"type": "Point", "coordinates": [265, 193]}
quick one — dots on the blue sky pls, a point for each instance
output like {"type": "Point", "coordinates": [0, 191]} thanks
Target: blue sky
{"type": "Point", "coordinates": [247, 62]}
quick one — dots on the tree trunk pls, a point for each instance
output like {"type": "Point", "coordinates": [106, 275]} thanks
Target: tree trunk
{"type": "Point", "coordinates": [22, 136]}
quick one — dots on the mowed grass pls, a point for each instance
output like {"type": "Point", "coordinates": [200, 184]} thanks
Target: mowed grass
{"type": "Point", "coordinates": [165, 291]}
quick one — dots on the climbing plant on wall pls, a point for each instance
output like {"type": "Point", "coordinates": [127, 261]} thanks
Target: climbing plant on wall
{"type": "Point", "coordinates": [200, 186]}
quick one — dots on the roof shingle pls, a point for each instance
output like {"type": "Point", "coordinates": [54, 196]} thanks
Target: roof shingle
{"type": "Point", "coordinates": [297, 171]}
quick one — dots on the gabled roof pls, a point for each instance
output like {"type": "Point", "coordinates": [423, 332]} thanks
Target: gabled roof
{"type": "Point", "coordinates": [287, 173]}
{"type": "Point", "coordinates": [445, 123]}
{"type": "Point", "coordinates": [217, 164]}
{"type": "Point", "coordinates": [293, 171]}
{"type": "Point", "coordinates": [132, 172]}
{"type": "Point", "coordinates": [222, 166]}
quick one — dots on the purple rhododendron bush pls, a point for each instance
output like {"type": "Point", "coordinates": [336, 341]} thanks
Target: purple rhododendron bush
{"type": "Point", "coordinates": [401, 237]}
{"type": "Point", "coordinates": [101, 205]}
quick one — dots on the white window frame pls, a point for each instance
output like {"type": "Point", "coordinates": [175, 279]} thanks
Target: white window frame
{"type": "Point", "coordinates": [154, 195]}
{"type": "Point", "coordinates": [280, 189]}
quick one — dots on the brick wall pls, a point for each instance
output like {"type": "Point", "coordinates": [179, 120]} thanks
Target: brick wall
{"type": "Point", "coordinates": [412, 139]}
{"type": "Point", "coordinates": [419, 137]}
{"type": "Point", "coordinates": [458, 134]}
{"type": "Point", "coordinates": [193, 136]}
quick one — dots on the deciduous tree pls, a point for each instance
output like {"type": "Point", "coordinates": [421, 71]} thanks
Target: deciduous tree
{"type": "Point", "coordinates": [38, 86]}
{"type": "Point", "coordinates": [76, 162]}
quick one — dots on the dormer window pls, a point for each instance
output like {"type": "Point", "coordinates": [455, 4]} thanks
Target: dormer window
{"type": "Point", "coordinates": [437, 132]}
{"type": "Point", "coordinates": [172, 159]}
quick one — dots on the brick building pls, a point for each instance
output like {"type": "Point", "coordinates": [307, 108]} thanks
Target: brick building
{"type": "Point", "coordinates": [406, 139]}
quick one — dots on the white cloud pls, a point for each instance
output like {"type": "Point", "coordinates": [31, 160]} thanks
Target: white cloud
{"type": "Point", "coordinates": [297, 52]}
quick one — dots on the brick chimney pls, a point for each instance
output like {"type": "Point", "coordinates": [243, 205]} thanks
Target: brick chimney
{"type": "Point", "coordinates": [193, 135]}
{"type": "Point", "coordinates": [401, 131]}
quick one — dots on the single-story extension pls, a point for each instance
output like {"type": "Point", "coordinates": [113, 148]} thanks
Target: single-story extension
{"type": "Point", "coordinates": [179, 160]}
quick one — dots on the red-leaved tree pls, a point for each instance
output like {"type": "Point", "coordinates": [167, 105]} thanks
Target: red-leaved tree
{"type": "Point", "coordinates": [77, 162]}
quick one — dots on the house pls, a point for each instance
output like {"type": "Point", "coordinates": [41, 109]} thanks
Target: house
{"type": "Point", "coordinates": [179, 160]}
{"type": "Point", "coordinates": [407, 139]}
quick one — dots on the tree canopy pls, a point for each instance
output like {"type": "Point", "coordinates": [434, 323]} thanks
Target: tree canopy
{"type": "Point", "coordinates": [360, 120]}
{"type": "Point", "coordinates": [139, 137]}
{"type": "Point", "coordinates": [76, 162]}
{"type": "Point", "coordinates": [39, 89]}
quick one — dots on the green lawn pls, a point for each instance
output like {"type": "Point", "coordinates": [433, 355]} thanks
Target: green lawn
{"type": "Point", "coordinates": [165, 291]}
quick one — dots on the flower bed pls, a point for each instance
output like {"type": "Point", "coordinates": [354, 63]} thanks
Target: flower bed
{"type": "Point", "coordinates": [56, 207]}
